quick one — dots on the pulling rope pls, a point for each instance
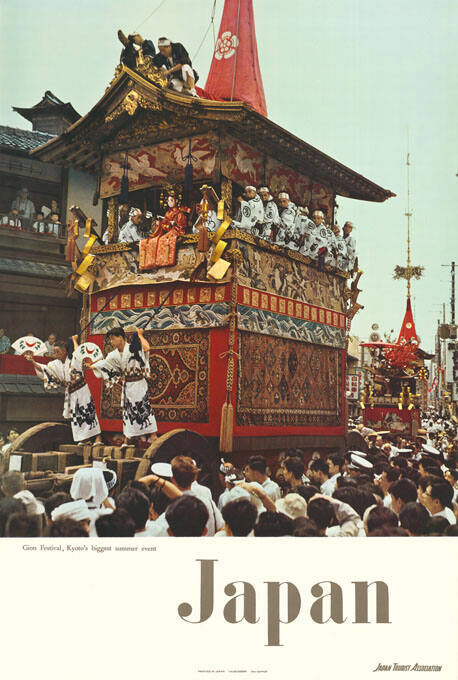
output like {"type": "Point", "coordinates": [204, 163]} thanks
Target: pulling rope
{"type": "Point", "coordinates": [150, 15]}
{"type": "Point", "coordinates": [236, 52]}
{"type": "Point", "coordinates": [211, 25]}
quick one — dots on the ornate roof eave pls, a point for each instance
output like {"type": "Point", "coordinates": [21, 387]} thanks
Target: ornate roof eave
{"type": "Point", "coordinates": [82, 143]}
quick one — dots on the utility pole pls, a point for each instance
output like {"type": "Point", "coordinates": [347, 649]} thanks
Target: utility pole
{"type": "Point", "coordinates": [452, 295]}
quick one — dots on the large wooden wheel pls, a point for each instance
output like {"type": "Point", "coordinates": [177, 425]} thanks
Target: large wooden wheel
{"type": "Point", "coordinates": [42, 437]}
{"type": "Point", "coordinates": [184, 442]}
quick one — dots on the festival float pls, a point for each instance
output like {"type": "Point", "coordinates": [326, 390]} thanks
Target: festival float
{"type": "Point", "coordinates": [397, 388]}
{"type": "Point", "coordinates": [248, 337]}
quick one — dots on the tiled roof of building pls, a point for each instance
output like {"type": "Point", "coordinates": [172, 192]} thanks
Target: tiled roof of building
{"type": "Point", "coordinates": [21, 384]}
{"type": "Point", "coordinates": [22, 140]}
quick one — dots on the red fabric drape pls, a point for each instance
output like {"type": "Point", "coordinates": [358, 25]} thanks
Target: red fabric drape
{"type": "Point", "coordinates": [234, 71]}
{"type": "Point", "coordinates": [408, 332]}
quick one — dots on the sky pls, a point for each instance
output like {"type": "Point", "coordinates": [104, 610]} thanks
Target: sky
{"type": "Point", "coordinates": [362, 80]}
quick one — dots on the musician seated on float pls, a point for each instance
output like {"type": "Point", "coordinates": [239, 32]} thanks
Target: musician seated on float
{"type": "Point", "coordinates": [131, 231]}
{"type": "Point", "coordinates": [303, 230]}
{"type": "Point", "coordinates": [174, 60]}
{"type": "Point", "coordinates": [250, 214]}
{"type": "Point", "coordinates": [340, 248]}
{"type": "Point", "coordinates": [134, 44]}
{"type": "Point", "coordinates": [287, 211]}
{"type": "Point", "coordinates": [271, 218]}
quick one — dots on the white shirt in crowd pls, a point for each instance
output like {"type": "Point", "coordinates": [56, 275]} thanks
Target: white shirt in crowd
{"type": "Point", "coordinates": [272, 489]}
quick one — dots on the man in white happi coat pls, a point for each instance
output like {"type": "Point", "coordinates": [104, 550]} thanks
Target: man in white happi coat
{"type": "Point", "coordinates": [351, 246]}
{"type": "Point", "coordinates": [271, 218]}
{"type": "Point", "coordinates": [128, 364]}
{"type": "Point", "coordinates": [340, 249]}
{"type": "Point", "coordinates": [79, 407]}
{"type": "Point", "coordinates": [130, 232]}
{"type": "Point", "coordinates": [320, 242]}
{"type": "Point", "coordinates": [251, 211]}
{"type": "Point", "coordinates": [302, 230]}
{"type": "Point", "coordinates": [287, 211]}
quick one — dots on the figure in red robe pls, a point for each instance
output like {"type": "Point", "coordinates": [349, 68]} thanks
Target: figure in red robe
{"type": "Point", "coordinates": [175, 218]}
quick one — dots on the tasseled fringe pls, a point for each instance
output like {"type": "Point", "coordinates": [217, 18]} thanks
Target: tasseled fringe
{"type": "Point", "coordinates": [227, 427]}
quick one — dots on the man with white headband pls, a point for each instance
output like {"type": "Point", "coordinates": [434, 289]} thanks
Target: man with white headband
{"type": "Point", "coordinates": [288, 212]}
{"type": "Point", "coordinates": [78, 511]}
{"type": "Point", "coordinates": [130, 233]}
{"type": "Point", "coordinates": [251, 211]}
{"type": "Point", "coordinates": [67, 371]}
{"type": "Point", "coordinates": [320, 239]}
{"type": "Point", "coordinates": [271, 217]}
{"type": "Point", "coordinates": [175, 61]}
{"type": "Point", "coordinates": [351, 260]}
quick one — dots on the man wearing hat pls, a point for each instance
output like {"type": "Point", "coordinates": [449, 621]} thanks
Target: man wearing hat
{"type": "Point", "coordinates": [271, 218]}
{"type": "Point", "coordinates": [174, 59]}
{"type": "Point", "coordinates": [287, 213]}
{"type": "Point", "coordinates": [251, 211]}
{"type": "Point", "coordinates": [359, 464]}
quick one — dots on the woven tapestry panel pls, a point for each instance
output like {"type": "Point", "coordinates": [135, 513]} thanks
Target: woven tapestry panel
{"type": "Point", "coordinates": [179, 382]}
{"type": "Point", "coordinates": [286, 382]}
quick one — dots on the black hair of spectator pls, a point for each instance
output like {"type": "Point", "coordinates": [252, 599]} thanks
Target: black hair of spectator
{"type": "Point", "coordinates": [363, 480]}
{"type": "Point", "coordinates": [13, 482]}
{"type": "Point", "coordinates": [404, 489]}
{"type": "Point", "coordinates": [240, 516]}
{"type": "Point", "coordinates": [22, 525]}
{"type": "Point", "coordinates": [9, 506]}
{"type": "Point", "coordinates": [451, 530]}
{"type": "Point", "coordinates": [389, 531]}
{"type": "Point", "coordinates": [400, 462]}
{"type": "Point", "coordinates": [295, 466]}
{"type": "Point", "coordinates": [443, 492]}
{"type": "Point", "coordinates": [379, 517]}
{"type": "Point", "coordinates": [357, 498]}
{"type": "Point", "coordinates": [257, 463]}
{"type": "Point", "coordinates": [336, 459]}
{"type": "Point", "coordinates": [320, 465]}
{"type": "Point", "coordinates": [187, 516]}
{"type": "Point", "coordinates": [273, 524]}
{"type": "Point", "coordinates": [374, 489]}
{"type": "Point", "coordinates": [118, 523]}
{"type": "Point", "coordinates": [343, 482]}
{"type": "Point", "coordinates": [436, 526]}
{"type": "Point", "coordinates": [66, 528]}
{"type": "Point", "coordinates": [321, 511]}
{"type": "Point", "coordinates": [136, 504]}
{"type": "Point", "coordinates": [53, 502]}
{"type": "Point", "coordinates": [302, 526]}
{"type": "Point", "coordinates": [294, 453]}
{"type": "Point", "coordinates": [392, 474]}
{"type": "Point", "coordinates": [414, 517]}
{"type": "Point", "coordinates": [410, 473]}
{"type": "Point", "coordinates": [307, 491]}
